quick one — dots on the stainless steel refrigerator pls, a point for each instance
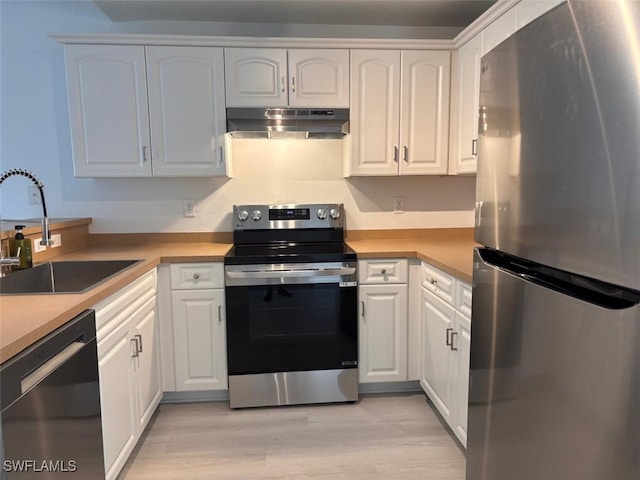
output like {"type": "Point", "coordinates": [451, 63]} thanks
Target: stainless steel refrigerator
{"type": "Point", "coordinates": [555, 341]}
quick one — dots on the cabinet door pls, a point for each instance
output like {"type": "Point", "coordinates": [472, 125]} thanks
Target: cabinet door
{"type": "Point", "coordinates": [383, 271]}
{"type": "Point", "coordinates": [375, 112]}
{"type": "Point", "coordinates": [117, 397]}
{"type": "Point", "coordinates": [382, 333]}
{"type": "Point", "coordinates": [462, 348]}
{"type": "Point", "coordinates": [424, 121]}
{"type": "Point", "coordinates": [199, 337]}
{"type": "Point", "coordinates": [464, 157]}
{"type": "Point", "coordinates": [319, 78]}
{"type": "Point", "coordinates": [437, 324]}
{"type": "Point", "coordinates": [187, 110]}
{"type": "Point", "coordinates": [147, 362]}
{"type": "Point", "coordinates": [107, 89]}
{"type": "Point", "coordinates": [256, 77]}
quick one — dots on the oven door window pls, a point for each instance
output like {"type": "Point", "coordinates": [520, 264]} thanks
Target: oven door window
{"type": "Point", "coordinates": [280, 328]}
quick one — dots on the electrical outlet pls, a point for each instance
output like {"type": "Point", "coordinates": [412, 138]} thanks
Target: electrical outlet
{"type": "Point", "coordinates": [57, 240]}
{"type": "Point", "coordinates": [37, 248]}
{"type": "Point", "coordinates": [34, 195]}
{"type": "Point", "coordinates": [398, 204]}
{"type": "Point", "coordinates": [189, 208]}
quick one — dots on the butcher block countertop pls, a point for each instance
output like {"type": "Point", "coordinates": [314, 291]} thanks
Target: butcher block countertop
{"type": "Point", "coordinates": [449, 249]}
{"type": "Point", "coordinates": [24, 319]}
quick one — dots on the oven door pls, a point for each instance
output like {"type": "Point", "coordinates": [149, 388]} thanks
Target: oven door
{"type": "Point", "coordinates": [291, 317]}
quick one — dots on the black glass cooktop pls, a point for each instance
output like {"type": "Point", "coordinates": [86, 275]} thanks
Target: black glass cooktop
{"type": "Point", "coordinates": [290, 253]}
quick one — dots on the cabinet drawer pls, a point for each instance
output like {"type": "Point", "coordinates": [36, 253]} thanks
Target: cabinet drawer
{"type": "Point", "coordinates": [438, 282]}
{"type": "Point", "coordinates": [463, 298]}
{"type": "Point", "coordinates": [393, 270]}
{"type": "Point", "coordinates": [193, 276]}
{"type": "Point", "coordinates": [113, 310]}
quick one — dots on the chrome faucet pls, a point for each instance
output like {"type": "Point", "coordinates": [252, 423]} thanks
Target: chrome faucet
{"type": "Point", "coordinates": [46, 228]}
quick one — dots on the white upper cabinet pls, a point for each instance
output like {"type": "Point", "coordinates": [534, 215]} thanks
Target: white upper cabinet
{"type": "Point", "coordinates": [466, 79]}
{"type": "Point", "coordinates": [528, 10]}
{"type": "Point", "coordinates": [108, 110]}
{"type": "Point", "coordinates": [498, 31]}
{"type": "Point", "coordinates": [375, 112]}
{"type": "Point", "coordinates": [187, 110]}
{"type": "Point", "coordinates": [399, 112]}
{"type": "Point", "coordinates": [127, 122]}
{"type": "Point", "coordinates": [521, 14]}
{"type": "Point", "coordinates": [424, 112]}
{"type": "Point", "coordinates": [269, 77]}
{"type": "Point", "coordinates": [466, 90]}
{"type": "Point", "coordinates": [256, 77]}
{"type": "Point", "coordinates": [319, 78]}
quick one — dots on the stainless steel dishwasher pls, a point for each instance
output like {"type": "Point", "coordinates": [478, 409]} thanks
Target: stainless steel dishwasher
{"type": "Point", "coordinates": [50, 407]}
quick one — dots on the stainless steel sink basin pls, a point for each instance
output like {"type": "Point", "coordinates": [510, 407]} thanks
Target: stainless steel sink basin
{"type": "Point", "coordinates": [73, 276]}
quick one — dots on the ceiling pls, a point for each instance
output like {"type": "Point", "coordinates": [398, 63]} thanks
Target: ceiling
{"type": "Point", "coordinates": [412, 13]}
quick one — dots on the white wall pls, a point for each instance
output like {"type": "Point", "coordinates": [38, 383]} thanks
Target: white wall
{"type": "Point", "coordinates": [34, 134]}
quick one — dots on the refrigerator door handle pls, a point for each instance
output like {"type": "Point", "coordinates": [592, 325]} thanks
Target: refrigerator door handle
{"type": "Point", "coordinates": [596, 292]}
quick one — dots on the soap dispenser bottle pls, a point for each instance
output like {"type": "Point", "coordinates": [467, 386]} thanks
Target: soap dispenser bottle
{"type": "Point", "coordinates": [24, 244]}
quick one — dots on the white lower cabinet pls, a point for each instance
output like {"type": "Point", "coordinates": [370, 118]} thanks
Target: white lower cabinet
{"type": "Point", "coordinates": [198, 326]}
{"type": "Point", "coordinates": [128, 367]}
{"type": "Point", "coordinates": [445, 327]}
{"type": "Point", "coordinates": [462, 346]}
{"type": "Point", "coordinates": [117, 399]}
{"type": "Point", "coordinates": [147, 363]}
{"type": "Point", "coordinates": [437, 321]}
{"type": "Point", "coordinates": [199, 339]}
{"type": "Point", "coordinates": [383, 320]}
{"type": "Point", "coordinates": [383, 333]}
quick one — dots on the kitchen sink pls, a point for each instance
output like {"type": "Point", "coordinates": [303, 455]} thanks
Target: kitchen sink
{"type": "Point", "coordinates": [72, 276]}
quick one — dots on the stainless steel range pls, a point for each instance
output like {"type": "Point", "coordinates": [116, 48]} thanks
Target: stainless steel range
{"type": "Point", "coordinates": [291, 299]}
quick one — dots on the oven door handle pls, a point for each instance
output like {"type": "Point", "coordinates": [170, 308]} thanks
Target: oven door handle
{"type": "Point", "coordinates": [326, 272]}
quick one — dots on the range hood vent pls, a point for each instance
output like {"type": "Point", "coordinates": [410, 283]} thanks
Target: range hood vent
{"type": "Point", "coordinates": [288, 123]}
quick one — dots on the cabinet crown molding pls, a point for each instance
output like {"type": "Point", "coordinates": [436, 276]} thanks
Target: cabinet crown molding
{"type": "Point", "coordinates": [480, 23]}
{"type": "Point", "coordinates": [226, 41]}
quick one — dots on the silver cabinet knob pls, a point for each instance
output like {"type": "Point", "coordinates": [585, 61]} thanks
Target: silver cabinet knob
{"type": "Point", "coordinates": [243, 215]}
{"type": "Point", "coordinates": [434, 281]}
{"type": "Point", "coordinates": [322, 213]}
{"type": "Point", "coordinates": [334, 213]}
{"type": "Point", "coordinates": [256, 215]}
{"type": "Point", "coordinates": [196, 276]}
{"type": "Point", "coordinates": [383, 271]}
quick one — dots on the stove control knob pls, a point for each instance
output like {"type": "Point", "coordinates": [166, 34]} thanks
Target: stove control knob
{"type": "Point", "coordinates": [243, 215]}
{"type": "Point", "coordinates": [322, 213]}
{"type": "Point", "coordinates": [256, 215]}
{"type": "Point", "coordinates": [334, 213]}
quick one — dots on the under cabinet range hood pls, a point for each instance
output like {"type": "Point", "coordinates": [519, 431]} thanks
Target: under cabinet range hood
{"type": "Point", "coordinates": [288, 123]}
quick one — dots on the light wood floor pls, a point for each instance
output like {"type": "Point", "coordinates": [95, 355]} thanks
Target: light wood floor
{"type": "Point", "coordinates": [380, 437]}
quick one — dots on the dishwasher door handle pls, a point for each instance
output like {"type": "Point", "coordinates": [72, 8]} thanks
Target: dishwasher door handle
{"type": "Point", "coordinates": [50, 365]}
